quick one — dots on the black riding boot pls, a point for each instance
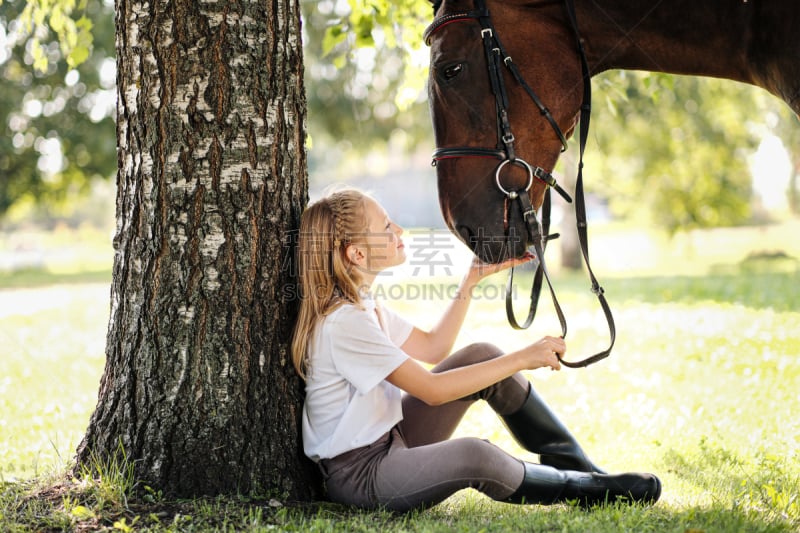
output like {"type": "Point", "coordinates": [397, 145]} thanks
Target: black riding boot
{"type": "Point", "coordinates": [536, 428]}
{"type": "Point", "coordinates": [547, 485]}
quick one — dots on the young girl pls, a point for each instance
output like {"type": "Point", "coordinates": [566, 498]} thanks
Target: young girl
{"type": "Point", "coordinates": [377, 421]}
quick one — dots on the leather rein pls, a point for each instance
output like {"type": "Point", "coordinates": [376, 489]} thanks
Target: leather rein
{"type": "Point", "coordinates": [497, 59]}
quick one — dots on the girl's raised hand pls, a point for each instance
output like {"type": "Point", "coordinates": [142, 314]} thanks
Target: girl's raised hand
{"type": "Point", "coordinates": [479, 270]}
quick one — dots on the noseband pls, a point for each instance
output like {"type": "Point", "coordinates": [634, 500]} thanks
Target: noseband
{"type": "Point", "coordinates": [496, 60]}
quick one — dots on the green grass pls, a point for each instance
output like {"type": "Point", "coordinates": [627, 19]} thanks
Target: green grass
{"type": "Point", "coordinates": [701, 389]}
{"type": "Point", "coordinates": [42, 277]}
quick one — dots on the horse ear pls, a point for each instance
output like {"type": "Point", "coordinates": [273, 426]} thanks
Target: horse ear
{"type": "Point", "coordinates": [436, 5]}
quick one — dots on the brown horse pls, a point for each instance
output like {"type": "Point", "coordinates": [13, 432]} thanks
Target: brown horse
{"type": "Point", "coordinates": [751, 41]}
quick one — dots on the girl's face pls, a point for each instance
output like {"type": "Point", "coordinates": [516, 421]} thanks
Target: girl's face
{"type": "Point", "coordinates": [381, 246]}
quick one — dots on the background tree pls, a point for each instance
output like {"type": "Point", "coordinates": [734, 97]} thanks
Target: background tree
{"type": "Point", "coordinates": [56, 102]}
{"type": "Point", "coordinates": [198, 388]}
{"type": "Point", "coordinates": [672, 151]}
{"type": "Point", "coordinates": [365, 72]}
{"type": "Point", "coordinates": [786, 125]}
{"type": "Point", "coordinates": [678, 145]}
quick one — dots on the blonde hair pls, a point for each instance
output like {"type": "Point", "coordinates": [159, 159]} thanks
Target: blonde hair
{"type": "Point", "coordinates": [327, 279]}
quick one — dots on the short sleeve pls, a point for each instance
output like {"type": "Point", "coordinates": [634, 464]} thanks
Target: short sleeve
{"type": "Point", "coordinates": [361, 352]}
{"type": "Point", "coordinates": [398, 328]}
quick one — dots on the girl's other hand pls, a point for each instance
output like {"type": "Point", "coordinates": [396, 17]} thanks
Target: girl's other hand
{"type": "Point", "coordinates": [545, 352]}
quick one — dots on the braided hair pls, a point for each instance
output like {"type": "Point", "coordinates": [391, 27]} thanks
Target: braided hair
{"type": "Point", "coordinates": [327, 279]}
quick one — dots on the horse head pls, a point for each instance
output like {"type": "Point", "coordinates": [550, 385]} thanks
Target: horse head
{"type": "Point", "coordinates": [492, 146]}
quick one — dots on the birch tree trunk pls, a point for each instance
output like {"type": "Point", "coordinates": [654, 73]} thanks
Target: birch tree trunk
{"type": "Point", "coordinates": [198, 387]}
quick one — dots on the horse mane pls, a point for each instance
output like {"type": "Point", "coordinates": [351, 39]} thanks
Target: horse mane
{"type": "Point", "coordinates": [436, 5]}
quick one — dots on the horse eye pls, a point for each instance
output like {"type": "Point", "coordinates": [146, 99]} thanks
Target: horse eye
{"type": "Point", "coordinates": [452, 71]}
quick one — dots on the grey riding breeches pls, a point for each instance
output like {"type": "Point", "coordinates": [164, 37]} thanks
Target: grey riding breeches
{"type": "Point", "coordinates": [417, 465]}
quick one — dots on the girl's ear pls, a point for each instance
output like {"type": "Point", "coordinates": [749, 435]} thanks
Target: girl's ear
{"type": "Point", "coordinates": [354, 254]}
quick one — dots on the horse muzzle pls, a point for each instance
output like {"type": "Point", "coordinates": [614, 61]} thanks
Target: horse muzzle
{"type": "Point", "coordinates": [494, 245]}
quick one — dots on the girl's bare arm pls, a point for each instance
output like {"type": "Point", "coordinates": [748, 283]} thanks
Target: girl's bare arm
{"type": "Point", "coordinates": [434, 345]}
{"type": "Point", "coordinates": [438, 388]}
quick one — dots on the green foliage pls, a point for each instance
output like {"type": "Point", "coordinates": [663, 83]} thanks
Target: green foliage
{"type": "Point", "coordinates": [74, 36]}
{"type": "Point", "coordinates": [365, 76]}
{"type": "Point", "coordinates": [56, 101]}
{"type": "Point", "coordinates": [674, 149]}
{"type": "Point", "coordinates": [398, 21]}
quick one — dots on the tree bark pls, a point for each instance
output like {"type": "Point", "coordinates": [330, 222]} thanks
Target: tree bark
{"type": "Point", "coordinates": [199, 389]}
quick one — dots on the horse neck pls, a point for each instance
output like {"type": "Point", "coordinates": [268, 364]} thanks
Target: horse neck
{"type": "Point", "coordinates": [723, 39]}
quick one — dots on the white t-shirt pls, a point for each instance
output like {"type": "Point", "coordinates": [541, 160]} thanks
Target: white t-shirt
{"type": "Point", "coordinates": [348, 402]}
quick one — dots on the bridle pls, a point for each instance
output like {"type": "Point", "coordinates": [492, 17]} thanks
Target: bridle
{"type": "Point", "coordinates": [497, 59]}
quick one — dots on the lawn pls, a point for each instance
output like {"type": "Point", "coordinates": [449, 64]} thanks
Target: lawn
{"type": "Point", "coordinates": [701, 389]}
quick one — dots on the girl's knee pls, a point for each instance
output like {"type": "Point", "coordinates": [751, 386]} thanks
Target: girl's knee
{"type": "Point", "coordinates": [474, 353]}
{"type": "Point", "coordinates": [480, 457]}
{"type": "Point", "coordinates": [486, 349]}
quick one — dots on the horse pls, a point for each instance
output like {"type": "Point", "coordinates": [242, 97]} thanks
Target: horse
{"type": "Point", "coordinates": [499, 135]}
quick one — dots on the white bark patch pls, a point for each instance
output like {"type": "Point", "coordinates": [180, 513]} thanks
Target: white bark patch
{"type": "Point", "coordinates": [122, 138]}
{"type": "Point", "coordinates": [131, 96]}
{"type": "Point", "coordinates": [200, 153]}
{"type": "Point", "coordinates": [183, 354]}
{"type": "Point", "coordinates": [243, 59]}
{"type": "Point", "coordinates": [184, 94]}
{"type": "Point", "coordinates": [212, 242]}
{"type": "Point", "coordinates": [177, 236]}
{"type": "Point", "coordinates": [133, 33]}
{"type": "Point", "coordinates": [272, 116]}
{"type": "Point", "coordinates": [166, 29]}
{"type": "Point", "coordinates": [154, 96]}
{"type": "Point", "coordinates": [182, 185]}
{"type": "Point", "coordinates": [210, 279]}
{"type": "Point", "coordinates": [186, 313]}
{"type": "Point", "coordinates": [127, 165]}
{"type": "Point", "coordinates": [220, 392]}
{"type": "Point", "coordinates": [114, 308]}
{"type": "Point", "coordinates": [209, 249]}
{"type": "Point", "coordinates": [147, 164]}
{"type": "Point", "coordinates": [214, 19]}
{"type": "Point", "coordinates": [140, 159]}
{"type": "Point", "coordinates": [232, 174]}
